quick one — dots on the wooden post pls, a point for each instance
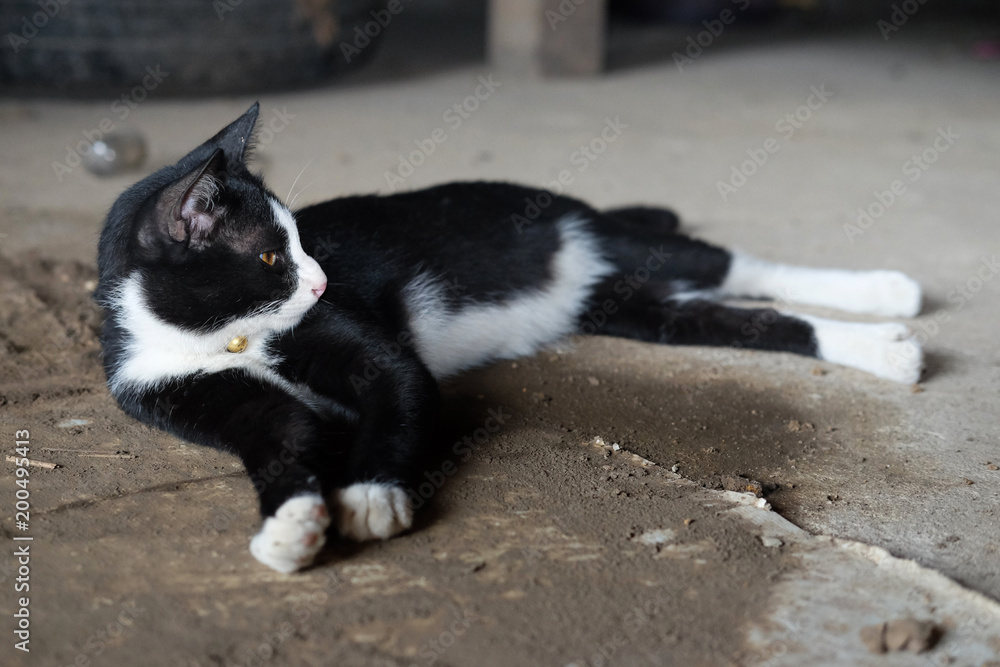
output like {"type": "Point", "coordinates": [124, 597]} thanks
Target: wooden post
{"type": "Point", "coordinates": [547, 37]}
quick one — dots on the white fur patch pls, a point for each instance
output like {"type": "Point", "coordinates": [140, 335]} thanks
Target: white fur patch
{"type": "Point", "coordinates": [289, 540]}
{"type": "Point", "coordinates": [157, 351]}
{"type": "Point", "coordinates": [450, 341]}
{"type": "Point", "coordinates": [310, 273]}
{"type": "Point", "coordinates": [371, 511]}
{"type": "Point", "coordinates": [887, 293]}
{"type": "Point", "coordinates": [887, 350]}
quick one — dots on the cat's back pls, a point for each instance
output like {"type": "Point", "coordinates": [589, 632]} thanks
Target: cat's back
{"type": "Point", "coordinates": [474, 211]}
{"type": "Point", "coordinates": [483, 235]}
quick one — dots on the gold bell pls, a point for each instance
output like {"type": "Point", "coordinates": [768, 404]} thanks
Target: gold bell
{"type": "Point", "coordinates": [237, 344]}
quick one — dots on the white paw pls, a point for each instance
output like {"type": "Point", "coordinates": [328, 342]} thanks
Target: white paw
{"type": "Point", "coordinates": [887, 350]}
{"type": "Point", "coordinates": [889, 293]}
{"type": "Point", "coordinates": [289, 540]}
{"type": "Point", "coordinates": [372, 511]}
{"type": "Point", "coordinates": [904, 360]}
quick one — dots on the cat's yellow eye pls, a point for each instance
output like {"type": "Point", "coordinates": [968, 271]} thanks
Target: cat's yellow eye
{"type": "Point", "coordinates": [268, 258]}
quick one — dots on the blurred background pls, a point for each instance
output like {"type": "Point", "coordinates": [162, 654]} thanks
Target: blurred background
{"type": "Point", "coordinates": [847, 133]}
{"type": "Point", "coordinates": [82, 48]}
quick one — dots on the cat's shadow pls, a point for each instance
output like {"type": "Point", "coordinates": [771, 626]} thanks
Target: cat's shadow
{"type": "Point", "coordinates": [460, 416]}
{"type": "Point", "coordinates": [679, 418]}
{"type": "Point", "coordinates": [937, 364]}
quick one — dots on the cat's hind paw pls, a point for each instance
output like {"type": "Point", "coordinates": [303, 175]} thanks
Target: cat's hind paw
{"type": "Point", "coordinates": [289, 540]}
{"type": "Point", "coordinates": [888, 350]}
{"type": "Point", "coordinates": [889, 294]}
{"type": "Point", "coordinates": [371, 511]}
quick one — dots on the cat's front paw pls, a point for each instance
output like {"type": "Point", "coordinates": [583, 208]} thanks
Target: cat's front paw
{"type": "Point", "coordinates": [289, 540]}
{"type": "Point", "coordinates": [370, 511]}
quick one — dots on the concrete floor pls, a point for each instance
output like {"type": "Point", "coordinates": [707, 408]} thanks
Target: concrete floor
{"type": "Point", "coordinates": [547, 548]}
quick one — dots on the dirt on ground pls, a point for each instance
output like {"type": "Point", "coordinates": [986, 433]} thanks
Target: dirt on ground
{"type": "Point", "coordinates": [589, 529]}
{"type": "Point", "coordinates": [570, 534]}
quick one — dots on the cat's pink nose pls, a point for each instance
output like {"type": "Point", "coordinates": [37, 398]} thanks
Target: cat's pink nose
{"type": "Point", "coordinates": [318, 291]}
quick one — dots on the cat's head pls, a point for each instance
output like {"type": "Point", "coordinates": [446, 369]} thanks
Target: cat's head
{"type": "Point", "coordinates": [209, 244]}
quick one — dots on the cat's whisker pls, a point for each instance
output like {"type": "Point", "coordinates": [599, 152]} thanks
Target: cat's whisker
{"type": "Point", "coordinates": [291, 204]}
{"type": "Point", "coordinates": [296, 181]}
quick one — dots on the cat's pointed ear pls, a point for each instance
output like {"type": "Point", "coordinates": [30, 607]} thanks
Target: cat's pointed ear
{"type": "Point", "coordinates": [189, 208]}
{"type": "Point", "coordinates": [236, 139]}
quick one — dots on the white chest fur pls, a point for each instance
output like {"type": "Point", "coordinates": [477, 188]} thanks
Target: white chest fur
{"type": "Point", "coordinates": [157, 352]}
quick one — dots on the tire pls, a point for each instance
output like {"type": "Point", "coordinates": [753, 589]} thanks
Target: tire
{"type": "Point", "coordinates": [101, 47]}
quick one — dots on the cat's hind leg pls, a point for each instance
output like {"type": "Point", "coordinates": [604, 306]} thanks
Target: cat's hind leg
{"type": "Point", "coordinates": [639, 237]}
{"type": "Point", "coordinates": [884, 350]}
{"type": "Point", "coordinates": [886, 293]}
{"type": "Point", "coordinates": [645, 219]}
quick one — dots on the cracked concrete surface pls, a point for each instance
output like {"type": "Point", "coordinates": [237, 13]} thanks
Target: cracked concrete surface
{"type": "Point", "coordinates": [545, 548]}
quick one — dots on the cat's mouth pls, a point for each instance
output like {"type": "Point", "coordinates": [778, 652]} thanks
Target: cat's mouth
{"type": "Point", "coordinates": [291, 312]}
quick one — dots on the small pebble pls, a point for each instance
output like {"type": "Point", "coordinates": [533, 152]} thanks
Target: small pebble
{"type": "Point", "coordinates": [657, 536]}
{"type": "Point", "coordinates": [115, 153]}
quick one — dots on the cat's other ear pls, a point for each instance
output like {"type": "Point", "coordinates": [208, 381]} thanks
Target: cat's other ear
{"type": "Point", "coordinates": [236, 139]}
{"type": "Point", "coordinates": [188, 209]}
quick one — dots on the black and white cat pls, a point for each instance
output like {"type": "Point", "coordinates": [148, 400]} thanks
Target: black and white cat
{"type": "Point", "coordinates": [320, 372]}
